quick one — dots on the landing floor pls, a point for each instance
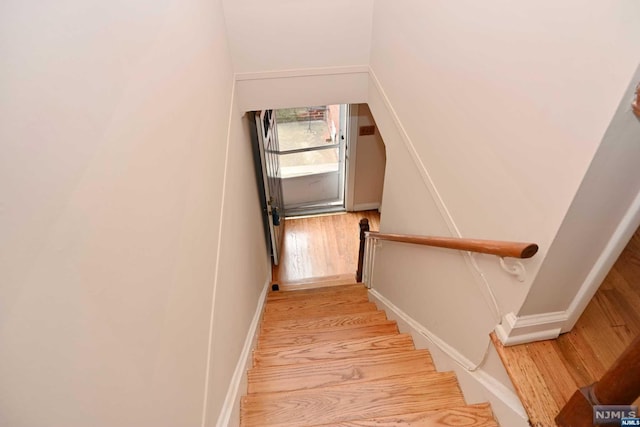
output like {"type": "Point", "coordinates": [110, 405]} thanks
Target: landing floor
{"type": "Point", "coordinates": [320, 246]}
{"type": "Point", "coordinates": [547, 373]}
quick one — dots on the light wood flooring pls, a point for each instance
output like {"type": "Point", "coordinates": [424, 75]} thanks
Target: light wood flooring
{"type": "Point", "coordinates": [547, 373]}
{"type": "Point", "coordinates": [322, 246]}
{"type": "Point", "coordinates": [328, 357]}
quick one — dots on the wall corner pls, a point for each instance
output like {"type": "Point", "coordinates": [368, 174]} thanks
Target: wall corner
{"type": "Point", "coordinates": [514, 330]}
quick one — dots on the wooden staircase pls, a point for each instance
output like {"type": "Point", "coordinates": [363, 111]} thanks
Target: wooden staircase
{"type": "Point", "coordinates": [329, 357]}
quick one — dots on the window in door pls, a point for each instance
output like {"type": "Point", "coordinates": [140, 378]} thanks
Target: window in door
{"type": "Point", "coordinates": [312, 146]}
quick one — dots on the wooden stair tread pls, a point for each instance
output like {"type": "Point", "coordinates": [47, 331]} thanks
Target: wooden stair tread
{"type": "Point", "coordinates": [402, 394]}
{"type": "Point", "coordinates": [330, 310]}
{"type": "Point", "coordinates": [333, 350]}
{"type": "Point", "coordinates": [385, 327]}
{"type": "Point", "coordinates": [317, 282]}
{"type": "Point", "coordinates": [334, 372]}
{"type": "Point", "coordinates": [479, 415]}
{"type": "Point", "coordinates": [322, 322]}
{"type": "Point", "coordinates": [311, 293]}
{"type": "Point", "coordinates": [291, 304]}
{"type": "Point", "coordinates": [326, 356]}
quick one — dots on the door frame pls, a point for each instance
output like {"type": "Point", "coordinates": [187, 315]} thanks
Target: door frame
{"type": "Point", "coordinates": [270, 187]}
{"type": "Point", "coordinates": [351, 150]}
{"type": "Point", "coordinates": [321, 191]}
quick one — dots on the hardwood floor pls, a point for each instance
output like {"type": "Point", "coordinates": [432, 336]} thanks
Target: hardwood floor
{"type": "Point", "coordinates": [319, 361]}
{"type": "Point", "coordinates": [547, 373]}
{"type": "Point", "coordinates": [322, 246]}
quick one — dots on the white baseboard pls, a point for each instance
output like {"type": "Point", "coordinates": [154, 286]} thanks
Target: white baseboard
{"type": "Point", "coordinates": [230, 412]}
{"type": "Point", "coordinates": [516, 330]}
{"type": "Point", "coordinates": [477, 384]}
{"type": "Point", "coordinates": [366, 206]}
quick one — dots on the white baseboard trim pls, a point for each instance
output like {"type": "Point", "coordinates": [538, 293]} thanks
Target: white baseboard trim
{"type": "Point", "coordinates": [507, 406]}
{"type": "Point", "coordinates": [423, 332]}
{"type": "Point", "coordinates": [366, 206]}
{"type": "Point", "coordinates": [516, 330]}
{"type": "Point", "coordinates": [231, 406]}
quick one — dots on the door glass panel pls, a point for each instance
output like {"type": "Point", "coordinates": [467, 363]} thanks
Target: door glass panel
{"type": "Point", "coordinates": [306, 127]}
{"type": "Point", "coordinates": [309, 162]}
{"type": "Point", "coordinates": [312, 174]}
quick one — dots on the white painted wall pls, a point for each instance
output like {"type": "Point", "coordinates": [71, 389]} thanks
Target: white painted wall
{"type": "Point", "coordinates": [433, 286]}
{"type": "Point", "coordinates": [114, 121]}
{"type": "Point", "coordinates": [243, 270]}
{"type": "Point", "coordinates": [293, 53]}
{"type": "Point", "coordinates": [491, 115]}
{"type": "Point", "coordinates": [348, 85]}
{"type": "Point", "coordinates": [370, 164]}
{"type": "Point", "coordinates": [608, 189]}
{"type": "Point", "coordinates": [298, 34]}
{"type": "Point", "coordinates": [504, 105]}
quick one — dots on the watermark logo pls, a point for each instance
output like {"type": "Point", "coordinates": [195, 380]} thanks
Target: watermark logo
{"type": "Point", "coordinates": [630, 422]}
{"type": "Point", "coordinates": [603, 414]}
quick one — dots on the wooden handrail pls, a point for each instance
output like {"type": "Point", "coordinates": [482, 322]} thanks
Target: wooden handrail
{"type": "Point", "coordinates": [493, 247]}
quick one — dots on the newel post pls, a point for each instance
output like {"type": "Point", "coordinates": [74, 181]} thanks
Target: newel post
{"type": "Point", "coordinates": [620, 385]}
{"type": "Point", "coordinates": [364, 227]}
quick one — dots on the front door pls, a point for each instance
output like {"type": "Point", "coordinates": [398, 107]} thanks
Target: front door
{"type": "Point", "coordinates": [312, 158]}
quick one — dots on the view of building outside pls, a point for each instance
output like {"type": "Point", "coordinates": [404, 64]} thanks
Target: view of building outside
{"type": "Point", "coordinates": [307, 127]}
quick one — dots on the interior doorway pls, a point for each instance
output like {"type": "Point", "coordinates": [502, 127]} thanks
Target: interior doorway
{"type": "Point", "coordinates": [333, 158]}
{"type": "Point", "coordinates": [312, 151]}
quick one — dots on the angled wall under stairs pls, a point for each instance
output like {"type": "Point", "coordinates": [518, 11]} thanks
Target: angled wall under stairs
{"type": "Point", "coordinates": [329, 357]}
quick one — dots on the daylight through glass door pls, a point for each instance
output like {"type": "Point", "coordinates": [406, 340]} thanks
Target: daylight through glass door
{"type": "Point", "coordinates": [312, 143]}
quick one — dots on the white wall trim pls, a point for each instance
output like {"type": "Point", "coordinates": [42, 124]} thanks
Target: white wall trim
{"type": "Point", "coordinates": [428, 181]}
{"type": "Point", "coordinates": [352, 150]}
{"type": "Point", "coordinates": [536, 327]}
{"type": "Point", "coordinates": [214, 291]}
{"type": "Point", "coordinates": [502, 394]}
{"type": "Point", "coordinates": [366, 206]}
{"type": "Point", "coordinates": [614, 247]}
{"type": "Point", "coordinates": [302, 72]}
{"type": "Point", "coordinates": [237, 386]}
